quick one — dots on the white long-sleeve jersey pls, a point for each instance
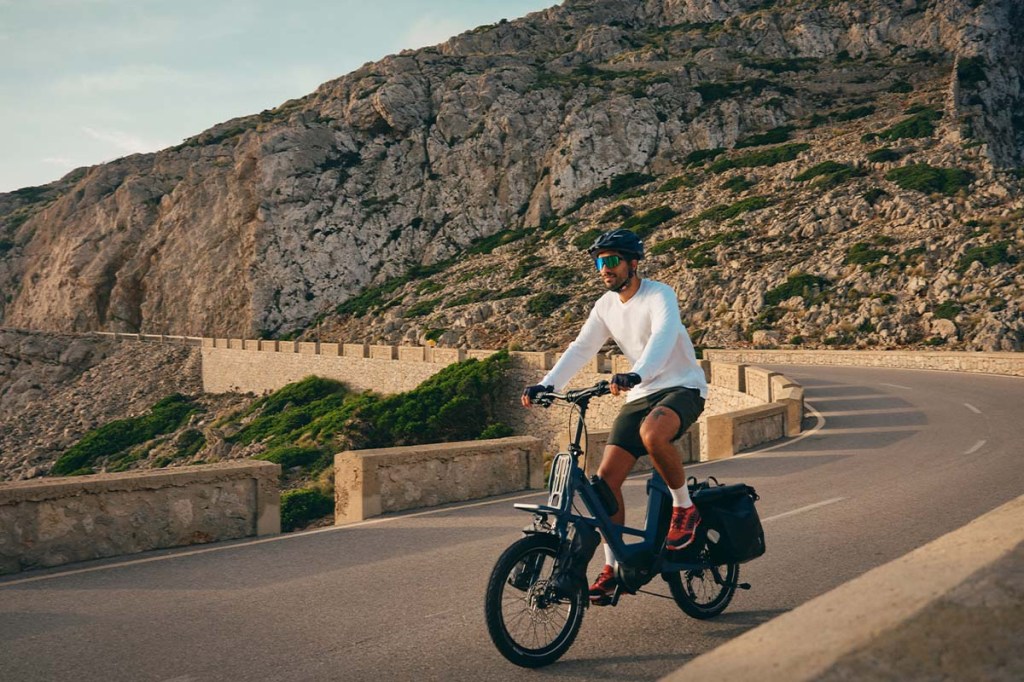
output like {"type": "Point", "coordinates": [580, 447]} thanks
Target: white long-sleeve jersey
{"type": "Point", "coordinates": [649, 332]}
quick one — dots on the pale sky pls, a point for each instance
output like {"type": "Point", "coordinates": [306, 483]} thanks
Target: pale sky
{"type": "Point", "coordinates": [87, 81]}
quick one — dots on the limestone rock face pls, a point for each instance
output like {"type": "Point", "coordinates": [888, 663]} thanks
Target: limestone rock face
{"type": "Point", "coordinates": [266, 223]}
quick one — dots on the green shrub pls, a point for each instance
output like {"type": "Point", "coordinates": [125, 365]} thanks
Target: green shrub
{"type": "Point", "coordinates": [471, 296]}
{"type": "Point", "coordinates": [884, 155]}
{"type": "Point", "coordinates": [545, 303]}
{"type": "Point", "coordinates": [862, 253]}
{"type": "Point", "coordinates": [434, 334]}
{"type": "Point", "coordinates": [496, 430]}
{"type": "Point", "coordinates": [673, 244]}
{"type": "Point", "coordinates": [724, 212]}
{"type": "Point", "coordinates": [189, 443]}
{"type": "Point", "coordinates": [165, 416]}
{"type": "Point", "coordinates": [831, 174]}
{"type": "Point", "coordinates": [765, 157]}
{"type": "Point", "coordinates": [992, 254]}
{"type": "Point", "coordinates": [586, 239]}
{"type": "Point", "coordinates": [919, 125]}
{"type": "Point", "coordinates": [421, 308]}
{"type": "Point", "coordinates": [873, 195]}
{"type": "Point", "coordinates": [485, 245]}
{"type": "Point", "coordinates": [289, 456]}
{"type": "Point", "coordinates": [614, 187]}
{"type": "Point", "coordinates": [645, 223]}
{"type": "Point", "coordinates": [809, 286]}
{"type": "Point", "coordinates": [560, 275]}
{"type": "Point", "coordinates": [300, 507]}
{"type": "Point", "coordinates": [947, 310]}
{"type": "Point", "coordinates": [713, 92]}
{"type": "Point", "coordinates": [773, 136]}
{"type": "Point", "coordinates": [925, 178]}
{"type": "Point", "coordinates": [290, 408]}
{"type": "Point", "coordinates": [672, 184]}
{"type": "Point", "coordinates": [620, 212]}
{"type": "Point", "coordinates": [854, 113]}
{"type": "Point", "coordinates": [900, 86]}
{"type": "Point", "coordinates": [700, 256]}
{"type": "Point", "coordinates": [737, 184]}
{"type": "Point", "coordinates": [699, 156]}
{"type": "Point", "coordinates": [971, 71]}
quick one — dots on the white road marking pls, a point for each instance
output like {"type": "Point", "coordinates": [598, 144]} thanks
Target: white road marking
{"type": "Point", "coordinates": [905, 388]}
{"type": "Point", "coordinates": [803, 509]}
{"type": "Point", "coordinates": [972, 408]}
{"type": "Point", "coordinates": [977, 446]}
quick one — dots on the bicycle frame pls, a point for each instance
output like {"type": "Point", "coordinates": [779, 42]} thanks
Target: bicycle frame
{"type": "Point", "coordinates": [567, 482]}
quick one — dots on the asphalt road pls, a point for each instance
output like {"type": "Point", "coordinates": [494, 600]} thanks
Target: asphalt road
{"type": "Point", "coordinates": [896, 459]}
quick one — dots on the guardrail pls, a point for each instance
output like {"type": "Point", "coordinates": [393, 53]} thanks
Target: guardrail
{"type": "Point", "coordinates": [54, 521]}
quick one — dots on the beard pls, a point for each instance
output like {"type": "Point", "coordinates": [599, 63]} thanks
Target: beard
{"type": "Point", "coordinates": [615, 282]}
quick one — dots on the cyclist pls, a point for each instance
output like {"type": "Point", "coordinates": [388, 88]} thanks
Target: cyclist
{"type": "Point", "coordinates": [666, 386]}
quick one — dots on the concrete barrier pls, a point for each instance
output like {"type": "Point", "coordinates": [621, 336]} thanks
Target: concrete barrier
{"type": "Point", "coordinates": [950, 610]}
{"type": "Point", "coordinates": [733, 432]}
{"type": "Point", "coordinates": [1011, 364]}
{"type": "Point", "coordinates": [49, 522]}
{"type": "Point", "coordinates": [369, 483]}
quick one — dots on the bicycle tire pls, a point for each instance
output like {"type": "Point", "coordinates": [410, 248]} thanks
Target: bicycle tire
{"type": "Point", "coordinates": [530, 586]}
{"type": "Point", "coordinates": [714, 595]}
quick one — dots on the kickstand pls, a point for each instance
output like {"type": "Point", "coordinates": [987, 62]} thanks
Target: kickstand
{"type": "Point", "coordinates": [654, 594]}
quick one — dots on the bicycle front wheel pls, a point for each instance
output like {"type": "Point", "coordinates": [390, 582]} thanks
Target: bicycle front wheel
{"type": "Point", "coordinates": [528, 623]}
{"type": "Point", "coordinates": [704, 593]}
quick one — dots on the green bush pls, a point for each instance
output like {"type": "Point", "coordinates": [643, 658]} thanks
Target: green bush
{"type": "Point", "coordinates": [471, 296]}
{"type": "Point", "coordinates": [737, 184]}
{"type": "Point", "coordinates": [673, 244]}
{"type": "Point", "coordinates": [873, 195]}
{"type": "Point", "coordinates": [971, 71]}
{"type": "Point", "coordinates": [306, 401]}
{"type": "Point", "coordinates": [992, 254]}
{"type": "Point", "coordinates": [421, 308]}
{"type": "Point", "coordinates": [900, 86]}
{"type": "Point", "coordinates": [614, 187]}
{"type": "Point", "coordinates": [672, 184]}
{"type": "Point", "coordinates": [545, 303]}
{"type": "Point", "coordinates": [165, 416]}
{"type": "Point", "coordinates": [764, 157]}
{"type": "Point", "coordinates": [560, 275]}
{"type": "Point", "coordinates": [919, 125]}
{"type": "Point", "coordinates": [723, 212]}
{"type": "Point", "coordinates": [809, 286]}
{"type": "Point", "coordinates": [645, 223]}
{"type": "Point", "coordinates": [289, 456]}
{"type": "Point", "coordinates": [831, 174]}
{"type": "Point", "coordinates": [854, 113]}
{"type": "Point", "coordinates": [485, 245]}
{"type": "Point", "coordinates": [496, 430]}
{"type": "Point", "coordinates": [189, 443]}
{"type": "Point", "coordinates": [620, 212]}
{"type": "Point", "coordinates": [947, 310]}
{"type": "Point", "coordinates": [585, 240]}
{"type": "Point", "coordinates": [300, 507]}
{"type": "Point", "coordinates": [773, 136]}
{"type": "Point", "coordinates": [928, 179]}
{"type": "Point", "coordinates": [862, 253]}
{"type": "Point", "coordinates": [884, 155]}
{"type": "Point", "coordinates": [699, 156]}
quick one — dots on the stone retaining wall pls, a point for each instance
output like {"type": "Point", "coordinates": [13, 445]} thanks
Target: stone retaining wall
{"type": "Point", "coordinates": [49, 522]}
{"type": "Point", "coordinates": [1011, 364]}
{"type": "Point", "coordinates": [372, 482]}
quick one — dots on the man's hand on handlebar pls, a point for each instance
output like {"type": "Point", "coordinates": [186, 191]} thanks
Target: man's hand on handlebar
{"type": "Point", "coordinates": [623, 382]}
{"type": "Point", "coordinates": [531, 392]}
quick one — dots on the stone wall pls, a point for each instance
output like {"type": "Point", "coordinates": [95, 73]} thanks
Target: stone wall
{"type": "Point", "coordinates": [373, 482]}
{"type": "Point", "coordinates": [49, 522]}
{"type": "Point", "coordinates": [1011, 364]}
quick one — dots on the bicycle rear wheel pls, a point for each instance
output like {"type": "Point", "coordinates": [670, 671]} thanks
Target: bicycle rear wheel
{"type": "Point", "coordinates": [704, 593]}
{"type": "Point", "coordinates": [529, 625]}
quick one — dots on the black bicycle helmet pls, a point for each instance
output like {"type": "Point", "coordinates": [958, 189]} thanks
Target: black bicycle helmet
{"type": "Point", "coordinates": [623, 241]}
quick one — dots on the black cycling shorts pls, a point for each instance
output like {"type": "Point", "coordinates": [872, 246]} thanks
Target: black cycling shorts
{"type": "Point", "coordinates": [685, 402]}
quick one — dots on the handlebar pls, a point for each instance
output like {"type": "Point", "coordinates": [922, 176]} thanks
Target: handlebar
{"type": "Point", "coordinates": [573, 397]}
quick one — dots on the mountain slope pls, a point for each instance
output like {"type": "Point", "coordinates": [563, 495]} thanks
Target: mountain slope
{"type": "Point", "coordinates": [405, 167]}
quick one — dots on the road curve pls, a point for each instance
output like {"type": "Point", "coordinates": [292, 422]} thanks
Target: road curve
{"type": "Point", "coordinates": [898, 459]}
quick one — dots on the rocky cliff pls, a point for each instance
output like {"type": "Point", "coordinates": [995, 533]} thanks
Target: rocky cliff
{"type": "Point", "coordinates": [807, 172]}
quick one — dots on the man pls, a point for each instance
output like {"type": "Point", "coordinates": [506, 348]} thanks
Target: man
{"type": "Point", "coordinates": [665, 388]}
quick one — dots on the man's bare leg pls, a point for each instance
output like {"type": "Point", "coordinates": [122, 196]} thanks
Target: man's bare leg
{"type": "Point", "coordinates": [656, 432]}
{"type": "Point", "coordinates": [616, 463]}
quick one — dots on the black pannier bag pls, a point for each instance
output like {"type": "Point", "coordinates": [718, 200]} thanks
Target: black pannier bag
{"type": "Point", "coordinates": [730, 520]}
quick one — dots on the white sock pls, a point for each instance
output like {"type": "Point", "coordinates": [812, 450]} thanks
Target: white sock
{"type": "Point", "coordinates": [609, 558]}
{"type": "Point", "coordinates": [681, 497]}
